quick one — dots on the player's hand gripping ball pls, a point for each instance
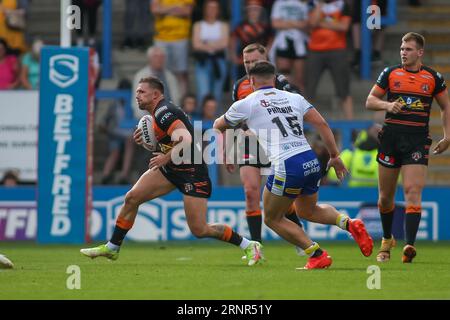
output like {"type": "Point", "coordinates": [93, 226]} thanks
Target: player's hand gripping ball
{"type": "Point", "coordinates": [148, 134]}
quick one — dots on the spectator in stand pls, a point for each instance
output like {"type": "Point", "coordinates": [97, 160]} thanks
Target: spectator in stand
{"type": "Point", "coordinates": [14, 35]}
{"type": "Point", "coordinates": [210, 38]}
{"type": "Point", "coordinates": [330, 21]}
{"type": "Point", "coordinates": [209, 114]}
{"type": "Point", "coordinates": [254, 29]}
{"type": "Point", "coordinates": [121, 143]}
{"type": "Point", "coordinates": [9, 68]}
{"type": "Point", "coordinates": [88, 8]}
{"type": "Point", "coordinates": [197, 12]}
{"type": "Point", "coordinates": [361, 162]}
{"type": "Point", "coordinates": [136, 21]}
{"type": "Point", "coordinates": [209, 108]}
{"type": "Point", "coordinates": [30, 70]}
{"type": "Point", "coordinates": [189, 105]}
{"type": "Point", "coordinates": [156, 66]}
{"type": "Point", "coordinates": [10, 179]}
{"type": "Point", "coordinates": [290, 20]}
{"type": "Point", "coordinates": [172, 28]}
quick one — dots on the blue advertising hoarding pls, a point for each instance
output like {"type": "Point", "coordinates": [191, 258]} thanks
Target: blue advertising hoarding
{"type": "Point", "coordinates": [65, 145]}
{"type": "Point", "coordinates": [163, 219]}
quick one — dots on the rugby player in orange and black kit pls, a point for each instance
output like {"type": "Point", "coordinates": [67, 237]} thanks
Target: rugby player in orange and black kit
{"type": "Point", "coordinates": [405, 140]}
{"type": "Point", "coordinates": [168, 170]}
{"type": "Point", "coordinates": [191, 179]}
{"type": "Point", "coordinates": [251, 178]}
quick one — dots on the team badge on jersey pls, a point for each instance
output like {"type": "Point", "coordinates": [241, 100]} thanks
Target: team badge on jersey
{"type": "Point", "coordinates": [265, 103]}
{"type": "Point", "coordinates": [425, 87]}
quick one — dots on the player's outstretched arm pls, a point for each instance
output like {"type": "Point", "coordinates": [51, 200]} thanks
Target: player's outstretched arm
{"type": "Point", "coordinates": [444, 102]}
{"type": "Point", "coordinates": [318, 122]}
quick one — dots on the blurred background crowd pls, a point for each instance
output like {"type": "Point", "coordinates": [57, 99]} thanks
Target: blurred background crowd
{"type": "Point", "coordinates": [194, 47]}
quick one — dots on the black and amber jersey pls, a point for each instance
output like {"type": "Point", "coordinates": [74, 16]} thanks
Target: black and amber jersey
{"type": "Point", "coordinates": [242, 87]}
{"type": "Point", "coordinates": [415, 90]}
{"type": "Point", "coordinates": [166, 117]}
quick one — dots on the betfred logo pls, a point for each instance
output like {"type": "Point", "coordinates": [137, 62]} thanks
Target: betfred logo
{"type": "Point", "coordinates": [64, 70]}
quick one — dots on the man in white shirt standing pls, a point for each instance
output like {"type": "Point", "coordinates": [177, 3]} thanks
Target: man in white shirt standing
{"type": "Point", "coordinates": [290, 20]}
{"type": "Point", "coordinates": [276, 118]}
{"type": "Point", "coordinates": [157, 67]}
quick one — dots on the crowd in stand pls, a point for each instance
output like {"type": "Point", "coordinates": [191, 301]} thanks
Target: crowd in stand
{"type": "Point", "coordinates": [304, 38]}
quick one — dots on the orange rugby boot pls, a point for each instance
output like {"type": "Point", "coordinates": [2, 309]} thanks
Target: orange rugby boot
{"type": "Point", "coordinates": [359, 233]}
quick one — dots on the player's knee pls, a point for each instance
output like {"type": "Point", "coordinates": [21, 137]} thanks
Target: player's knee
{"type": "Point", "coordinates": [412, 190]}
{"type": "Point", "coordinates": [412, 193]}
{"type": "Point", "coordinates": [251, 194]}
{"type": "Point", "coordinates": [133, 198]}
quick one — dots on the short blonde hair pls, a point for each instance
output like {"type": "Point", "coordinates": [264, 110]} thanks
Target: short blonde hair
{"type": "Point", "coordinates": [416, 37]}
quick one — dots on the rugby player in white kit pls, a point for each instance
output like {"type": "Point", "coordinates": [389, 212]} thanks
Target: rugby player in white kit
{"type": "Point", "coordinates": [276, 118]}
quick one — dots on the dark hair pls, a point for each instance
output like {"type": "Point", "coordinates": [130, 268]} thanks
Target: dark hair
{"type": "Point", "coordinates": [10, 174]}
{"type": "Point", "coordinates": [417, 37]}
{"type": "Point", "coordinates": [263, 69]}
{"type": "Point", "coordinates": [207, 98]}
{"type": "Point", "coordinates": [188, 95]}
{"type": "Point", "coordinates": [208, 2]}
{"type": "Point", "coordinates": [154, 83]}
{"type": "Point", "coordinates": [255, 47]}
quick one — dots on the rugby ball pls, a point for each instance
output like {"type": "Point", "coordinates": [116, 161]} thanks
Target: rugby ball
{"type": "Point", "coordinates": [148, 134]}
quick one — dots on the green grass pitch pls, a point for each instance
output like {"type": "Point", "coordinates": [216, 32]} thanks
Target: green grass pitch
{"type": "Point", "coordinates": [210, 270]}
